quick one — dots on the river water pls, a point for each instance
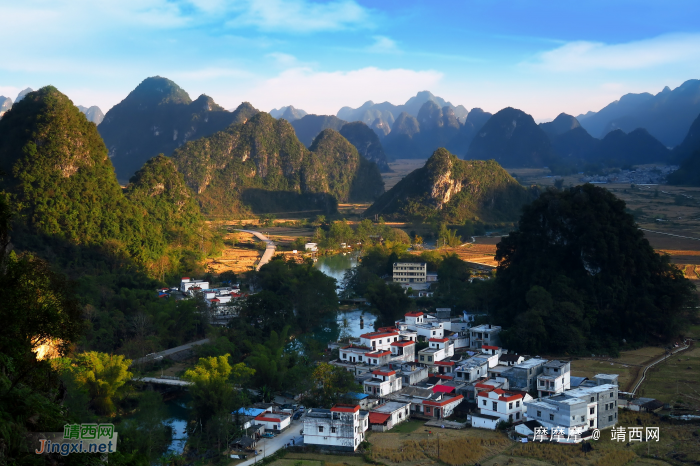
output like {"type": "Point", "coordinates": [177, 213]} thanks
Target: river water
{"type": "Point", "coordinates": [350, 323]}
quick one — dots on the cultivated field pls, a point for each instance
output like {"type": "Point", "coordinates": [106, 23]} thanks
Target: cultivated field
{"type": "Point", "coordinates": [239, 256]}
{"type": "Point", "coordinates": [629, 365]}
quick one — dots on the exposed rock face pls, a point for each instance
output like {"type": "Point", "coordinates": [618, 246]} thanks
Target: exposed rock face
{"type": "Point", "coordinates": [454, 190]}
{"type": "Point", "coordinates": [93, 113]}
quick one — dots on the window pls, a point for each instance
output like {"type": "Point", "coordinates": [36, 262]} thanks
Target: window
{"type": "Point", "coordinates": [592, 399]}
{"type": "Point", "coordinates": [375, 361]}
{"type": "Point", "coordinates": [422, 358]}
{"type": "Point", "coordinates": [551, 417]}
{"type": "Point", "coordinates": [583, 418]}
{"type": "Point", "coordinates": [430, 358]}
{"type": "Point", "coordinates": [609, 418]}
{"type": "Point", "coordinates": [593, 410]}
{"type": "Point", "coordinates": [380, 342]}
{"type": "Point", "coordinates": [344, 355]}
{"type": "Point", "coordinates": [539, 413]}
{"type": "Point", "coordinates": [332, 430]}
{"type": "Point", "coordinates": [517, 404]}
{"type": "Point", "coordinates": [591, 423]}
{"type": "Point", "coordinates": [484, 402]}
{"type": "Point", "coordinates": [320, 428]}
{"type": "Point", "coordinates": [495, 406]}
{"type": "Point", "coordinates": [612, 394]}
{"type": "Point", "coordinates": [573, 418]}
{"type": "Point", "coordinates": [517, 415]}
{"type": "Point", "coordinates": [541, 383]}
{"type": "Point", "coordinates": [510, 405]}
{"type": "Point", "coordinates": [360, 358]}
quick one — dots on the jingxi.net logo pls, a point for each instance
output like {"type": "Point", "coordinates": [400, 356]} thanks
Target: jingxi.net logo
{"type": "Point", "coordinates": [79, 438]}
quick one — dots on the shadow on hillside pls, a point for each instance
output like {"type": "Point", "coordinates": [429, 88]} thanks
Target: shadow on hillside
{"type": "Point", "coordinates": [262, 201]}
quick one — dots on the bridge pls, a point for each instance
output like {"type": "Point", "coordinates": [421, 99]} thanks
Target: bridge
{"type": "Point", "coordinates": [165, 380]}
{"type": "Point", "coordinates": [169, 352]}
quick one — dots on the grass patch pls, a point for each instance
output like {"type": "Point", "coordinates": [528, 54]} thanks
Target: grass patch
{"type": "Point", "coordinates": [406, 427]}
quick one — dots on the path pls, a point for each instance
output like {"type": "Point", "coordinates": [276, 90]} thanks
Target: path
{"type": "Point", "coordinates": [271, 445]}
{"type": "Point", "coordinates": [269, 250]}
{"type": "Point", "coordinates": [652, 364]}
{"type": "Point", "coordinates": [670, 234]}
{"type": "Point", "coordinates": [170, 351]}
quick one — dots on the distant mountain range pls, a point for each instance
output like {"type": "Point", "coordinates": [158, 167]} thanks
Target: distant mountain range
{"type": "Point", "coordinates": [453, 190]}
{"type": "Point", "coordinates": [93, 113]}
{"type": "Point", "coordinates": [688, 153]}
{"type": "Point", "coordinates": [5, 104]}
{"type": "Point", "coordinates": [667, 115]}
{"type": "Point", "coordinates": [288, 113]}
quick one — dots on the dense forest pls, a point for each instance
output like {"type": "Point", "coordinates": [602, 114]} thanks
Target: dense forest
{"type": "Point", "coordinates": [578, 275]}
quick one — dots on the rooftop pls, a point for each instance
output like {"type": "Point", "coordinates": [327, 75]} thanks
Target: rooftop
{"type": "Point", "coordinates": [389, 407]}
{"type": "Point", "coordinates": [556, 364]}
{"type": "Point", "coordinates": [373, 335]}
{"type": "Point", "coordinates": [530, 363]}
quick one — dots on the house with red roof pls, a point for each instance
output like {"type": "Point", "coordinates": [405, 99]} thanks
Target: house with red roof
{"type": "Point", "coordinates": [341, 428]}
{"type": "Point", "coordinates": [383, 382]}
{"type": "Point", "coordinates": [381, 340]}
{"type": "Point", "coordinates": [389, 414]}
{"type": "Point", "coordinates": [499, 405]}
{"type": "Point", "coordinates": [438, 349]}
{"type": "Point", "coordinates": [274, 420]}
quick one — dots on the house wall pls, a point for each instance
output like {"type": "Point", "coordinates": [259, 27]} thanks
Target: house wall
{"type": "Point", "coordinates": [484, 423]}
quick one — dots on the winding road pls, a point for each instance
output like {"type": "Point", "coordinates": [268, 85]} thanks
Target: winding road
{"type": "Point", "coordinates": [269, 250]}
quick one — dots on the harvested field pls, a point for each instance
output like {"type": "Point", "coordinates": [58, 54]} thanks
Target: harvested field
{"type": "Point", "coordinates": [471, 252]}
{"type": "Point", "coordinates": [241, 256]}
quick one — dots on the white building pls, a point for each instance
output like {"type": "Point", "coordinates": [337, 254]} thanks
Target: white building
{"type": "Point", "coordinates": [389, 414]}
{"type": "Point", "coordinates": [340, 428]}
{"type": "Point", "coordinates": [485, 334]}
{"type": "Point", "coordinates": [438, 350]}
{"type": "Point", "coordinates": [312, 247]}
{"type": "Point", "coordinates": [274, 420]}
{"type": "Point", "coordinates": [410, 272]}
{"type": "Point", "coordinates": [379, 341]}
{"type": "Point", "coordinates": [186, 283]}
{"type": "Point", "coordinates": [382, 383]}
{"type": "Point", "coordinates": [555, 378]}
{"type": "Point", "coordinates": [505, 405]}
{"type": "Point", "coordinates": [472, 369]}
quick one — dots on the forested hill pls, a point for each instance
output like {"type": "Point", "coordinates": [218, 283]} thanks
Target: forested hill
{"type": "Point", "coordinates": [260, 165]}
{"type": "Point", "coordinates": [157, 117]}
{"type": "Point", "coordinates": [65, 189]}
{"type": "Point", "coordinates": [454, 190]}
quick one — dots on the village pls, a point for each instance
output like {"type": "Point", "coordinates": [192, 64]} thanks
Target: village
{"type": "Point", "coordinates": [445, 371]}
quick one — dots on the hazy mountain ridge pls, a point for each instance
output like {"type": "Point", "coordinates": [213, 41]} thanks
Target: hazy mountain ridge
{"type": "Point", "coordinates": [289, 113]}
{"type": "Point", "coordinates": [454, 190]}
{"type": "Point", "coordinates": [667, 115]}
{"type": "Point", "coordinates": [93, 114]}
{"type": "Point", "coordinates": [310, 126]}
{"type": "Point", "coordinates": [156, 118]}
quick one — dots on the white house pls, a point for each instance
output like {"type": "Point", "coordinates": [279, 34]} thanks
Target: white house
{"type": "Point", "coordinates": [555, 378]}
{"type": "Point", "coordinates": [438, 350]}
{"type": "Point", "coordinates": [382, 383]}
{"type": "Point", "coordinates": [186, 283]}
{"type": "Point", "coordinates": [381, 340]}
{"type": "Point", "coordinates": [389, 414]}
{"type": "Point", "coordinates": [340, 428]}
{"type": "Point", "coordinates": [472, 369]}
{"type": "Point", "coordinates": [410, 272]}
{"type": "Point", "coordinates": [507, 406]}
{"type": "Point", "coordinates": [274, 420]}
{"type": "Point", "coordinates": [313, 247]}
{"type": "Point", "coordinates": [485, 334]}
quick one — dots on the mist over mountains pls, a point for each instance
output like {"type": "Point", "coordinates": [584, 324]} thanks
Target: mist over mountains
{"type": "Point", "coordinates": [667, 115]}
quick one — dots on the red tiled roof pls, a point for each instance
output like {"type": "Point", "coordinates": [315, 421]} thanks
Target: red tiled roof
{"type": "Point", "coordinates": [447, 401]}
{"type": "Point", "coordinates": [489, 347]}
{"type": "Point", "coordinates": [500, 391]}
{"type": "Point", "coordinates": [345, 408]}
{"type": "Point", "coordinates": [443, 377]}
{"type": "Point", "coordinates": [444, 363]}
{"type": "Point", "coordinates": [214, 300]}
{"type": "Point", "coordinates": [403, 343]}
{"type": "Point", "coordinates": [378, 418]}
{"type": "Point", "coordinates": [485, 394]}
{"type": "Point", "coordinates": [387, 374]}
{"type": "Point", "coordinates": [483, 385]}
{"type": "Point", "coordinates": [439, 340]}
{"type": "Point", "coordinates": [413, 314]}
{"type": "Point", "coordinates": [268, 419]}
{"type": "Point", "coordinates": [185, 278]}
{"type": "Point", "coordinates": [377, 354]}
{"type": "Point", "coordinates": [373, 336]}
{"type": "Point", "coordinates": [443, 389]}
{"type": "Point", "coordinates": [510, 398]}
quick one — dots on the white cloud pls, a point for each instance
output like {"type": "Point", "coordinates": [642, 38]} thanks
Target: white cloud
{"type": "Point", "coordinates": [583, 56]}
{"type": "Point", "coordinates": [383, 45]}
{"type": "Point", "coordinates": [301, 15]}
{"type": "Point", "coordinates": [283, 59]}
{"type": "Point", "coordinates": [326, 92]}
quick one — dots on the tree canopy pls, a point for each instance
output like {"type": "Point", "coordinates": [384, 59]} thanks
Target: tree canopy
{"type": "Point", "coordinates": [579, 274]}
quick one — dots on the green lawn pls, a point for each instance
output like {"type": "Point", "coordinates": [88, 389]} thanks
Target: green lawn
{"type": "Point", "coordinates": [406, 427]}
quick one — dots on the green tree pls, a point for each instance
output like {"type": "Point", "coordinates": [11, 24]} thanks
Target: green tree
{"type": "Point", "coordinates": [212, 390]}
{"type": "Point", "coordinates": [605, 281]}
{"type": "Point", "coordinates": [389, 301]}
{"type": "Point", "coordinates": [103, 376]}
{"type": "Point", "coordinates": [269, 360]}
{"type": "Point", "coordinates": [331, 385]}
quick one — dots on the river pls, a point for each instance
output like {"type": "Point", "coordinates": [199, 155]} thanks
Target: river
{"type": "Point", "coordinates": [349, 323]}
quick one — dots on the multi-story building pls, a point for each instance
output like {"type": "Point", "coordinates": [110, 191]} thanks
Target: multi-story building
{"type": "Point", "coordinates": [383, 383]}
{"type": "Point", "coordinates": [524, 376]}
{"type": "Point", "coordinates": [340, 428]}
{"type": "Point", "coordinates": [555, 378]}
{"type": "Point", "coordinates": [485, 334]}
{"type": "Point", "coordinates": [472, 370]}
{"type": "Point", "coordinates": [605, 398]}
{"type": "Point", "coordinates": [410, 272]}
{"type": "Point", "coordinates": [438, 350]}
{"type": "Point", "coordinates": [507, 406]}
{"type": "Point", "coordinates": [427, 404]}
{"type": "Point", "coordinates": [187, 283]}
{"type": "Point", "coordinates": [379, 340]}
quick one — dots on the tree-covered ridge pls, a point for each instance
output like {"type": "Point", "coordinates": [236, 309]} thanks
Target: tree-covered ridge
{"type": "Point", "coordinates": [247, 166]}
{"type": "Point", "coordinates": [454, 190]}
{"type": "Point", "coordinates": [578, 274]}
{"type": "Point", "coordinates": [167, 202]}
{"type": "Point", "coordinates": [156, 118]}
{"type": "Point", "coordinates": [366, 142]}
{"type": "Point", "coordinates": [64, 188]}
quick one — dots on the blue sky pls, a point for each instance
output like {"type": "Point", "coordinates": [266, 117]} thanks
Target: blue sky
{"type": "Point", "coordinates": [544, 57]}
